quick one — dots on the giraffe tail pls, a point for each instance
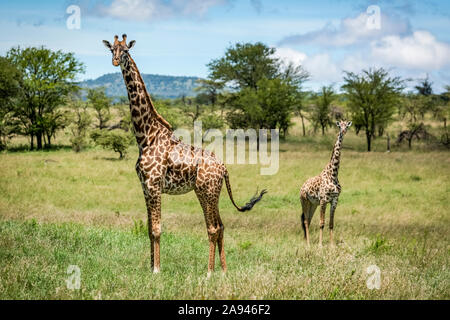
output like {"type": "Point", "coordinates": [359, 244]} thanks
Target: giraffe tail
{"type": "Point", "coordinates": [303, 224]}
{"type": "Point", "coordinates": [249, 205]}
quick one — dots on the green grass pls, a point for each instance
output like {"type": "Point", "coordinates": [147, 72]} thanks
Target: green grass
{"type": "Point", "coordinates": [88, 210]}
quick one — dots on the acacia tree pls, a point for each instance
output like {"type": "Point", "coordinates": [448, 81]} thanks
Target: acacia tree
{"type": "Point", "coordinates": [372, 97]}
{"type": "Point", "coordinates": [210, 88]}
{"type": "Point", "coordinates": [425, 90]}
{"type": "Point", "coordinates": [321, 113]}
{"type": "Point", "coordinates": [48, 77]}
{"type": "Point", "coordinates": [252, 71]}
{"type": "Point", "coordinates": [301, 107]}
{"type": "Point", "coordinates": [81, 120]}
{"type": "Point", "coordinates": [101, 103]}
{"type": "Point", "coordinates": [9, 93]}
{"type": "Point", "coordinates": [441, 110]}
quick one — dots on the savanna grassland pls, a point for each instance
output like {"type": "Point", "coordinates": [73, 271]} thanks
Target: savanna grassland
{"type": "Point", "coordinates": [60, 208]}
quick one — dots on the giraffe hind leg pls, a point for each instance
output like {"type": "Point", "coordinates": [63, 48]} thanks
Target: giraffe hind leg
{"type": "Point", "coordinates": [214, 228]}
{"type": "Point", "coordinates": [220, 244]}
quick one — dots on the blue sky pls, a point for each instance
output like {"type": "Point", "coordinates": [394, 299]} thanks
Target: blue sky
{"type": "Point", "coordinates": [179, 37]}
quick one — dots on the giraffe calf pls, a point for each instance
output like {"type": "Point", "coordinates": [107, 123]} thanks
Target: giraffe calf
{"type": "Point", "coordinates": [323, 189]}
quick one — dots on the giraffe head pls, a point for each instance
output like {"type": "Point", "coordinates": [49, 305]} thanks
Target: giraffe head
{"type": "Point", "coordinates": [119, 49]}
{"type": "Point", "coordinates": [343, 125]}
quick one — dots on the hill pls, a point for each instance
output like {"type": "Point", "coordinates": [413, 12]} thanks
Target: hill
{"type": "Point", "coordinates": [158, 85]}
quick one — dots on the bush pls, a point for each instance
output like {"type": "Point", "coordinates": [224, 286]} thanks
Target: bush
{"type": "Point", "coordinates": [116, 140]}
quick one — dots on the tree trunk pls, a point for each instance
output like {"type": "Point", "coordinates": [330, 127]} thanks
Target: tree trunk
{"type": "Point", "coordinates": [388, 143]}
{"type": "Point", "coordinates": [369, 141]}
{"type": "Point", "coordinates": [32, 142]}
{"type": "Point", "coordinates": [39, 140]}
{"type": "Point", "coordinates": [303, 125]}
{"type": "Point", "coordinates": [49, 140]}
{"type": "Point", "coordinates": [323, 130]}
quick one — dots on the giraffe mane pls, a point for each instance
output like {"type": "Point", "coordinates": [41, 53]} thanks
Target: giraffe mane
{"type": "Point", "coordinates": [160, 119]}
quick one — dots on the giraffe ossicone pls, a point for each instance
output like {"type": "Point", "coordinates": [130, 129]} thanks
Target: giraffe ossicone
{"type": "Point", "coordinates": [323, 189]}
{"type": "Point", "coordinates": [167, 165]}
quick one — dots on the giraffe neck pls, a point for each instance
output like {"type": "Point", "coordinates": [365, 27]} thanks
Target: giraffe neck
{"type": "Point", "coordinates": [146, 120]}
{"type": "Point", "coordinates": [336, 155]}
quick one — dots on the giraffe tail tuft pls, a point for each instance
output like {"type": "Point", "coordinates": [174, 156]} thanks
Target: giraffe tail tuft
{"type": "Point", "coordinates": [249, 205]}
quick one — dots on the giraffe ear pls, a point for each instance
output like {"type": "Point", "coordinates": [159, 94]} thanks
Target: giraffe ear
{"type": "Point", "coordinates": [338, 124]}
{"type": "Point", "coordinates": [131, 44]}
{"type": "Point", "coordinates": [107, 44]}
{"type": "Point", "coordinates": [349, 124]}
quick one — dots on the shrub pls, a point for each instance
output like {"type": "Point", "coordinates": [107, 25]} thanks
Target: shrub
{"type": "Point", "coordinates": [116, 140]}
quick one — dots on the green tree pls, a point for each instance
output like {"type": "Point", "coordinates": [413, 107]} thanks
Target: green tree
{"type": "Point", "coordinates": [10, 78]}
{"type": "Point", "coordinates": [410, 107]}
{"type": "Point", "coordinates": [172, 115]}
{"type": "Point", "coordinates": [101, 103]}
{"type": "Point", "coordinates": [301, 107]}
{"type": "Point", "coordinates": [277, 98]}
{"type": "Point", "coordinates": [244, 65]}
{"type": "Point", "coordinates": [48, 77]}
{"type": "Point", "coordinates": [211, 121]}
{"type": "Point", "coordinates": [441, 111]}
{"type": "Point", "coordinates": [425, 87]}
{"type": "Point", "coordinates": [81, 120]}
{"type": "Point", "coordinates": [372, 97]}
{"type": "Point", "coordinates": [262, 86]}
{"type": "Point", "coordinates": [193, 111]}
{"type": "Point", "coordinates": [425, 90]}
{"type": "Point", "coordinates": [321, 112]}
{"type": "Point", "coordinates": [209, 91]}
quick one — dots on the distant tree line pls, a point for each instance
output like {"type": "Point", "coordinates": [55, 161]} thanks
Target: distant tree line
{"type": "Point", "coordinates": [249, 87]}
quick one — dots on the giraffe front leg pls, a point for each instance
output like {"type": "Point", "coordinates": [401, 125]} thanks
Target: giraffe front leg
{"type": "Point", "coordinates": [331, 224]}
{"type": "Point", "coordinates": [150, 235]}
{"type": "Point", "coordinates": [323, 207]}
{"type": "Point", "coordinates": [154, 222]}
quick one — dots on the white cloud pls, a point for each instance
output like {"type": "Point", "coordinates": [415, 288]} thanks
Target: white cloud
{"type": "Point", "coordinates": [320, 66]}
{"type": "Point", "coordinates": [419, 51]}
{"type": "Point", "coordinates": [351, 31]}
{"type": "Point", "coordinates": [288, 55]}
{"type": "Point", "coordinates": [148, 10]}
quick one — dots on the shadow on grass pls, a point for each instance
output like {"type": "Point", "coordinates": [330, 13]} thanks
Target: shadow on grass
{"type": "Point", "coordinates": [26, 148]}
{"type": "Point", "coordinates": [110, 159]}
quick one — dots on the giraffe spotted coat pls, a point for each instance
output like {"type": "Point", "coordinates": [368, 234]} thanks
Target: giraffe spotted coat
{"type": "Point", "coordinates": [323, 189]}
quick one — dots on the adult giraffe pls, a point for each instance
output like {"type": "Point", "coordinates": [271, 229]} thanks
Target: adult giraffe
{"type": "Point", "coordinates": [167, 165]}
